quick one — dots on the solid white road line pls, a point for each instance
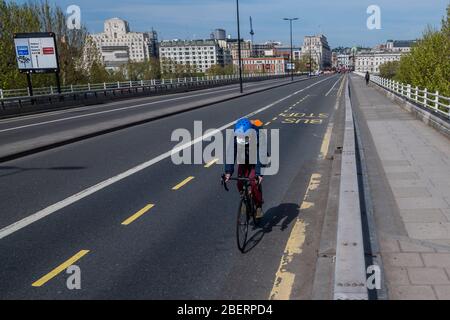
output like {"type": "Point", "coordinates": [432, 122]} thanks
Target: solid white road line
{"type": "Point", "coordinates": [326, 95]}
{"type": "Point", "coordinates": [93, 189]}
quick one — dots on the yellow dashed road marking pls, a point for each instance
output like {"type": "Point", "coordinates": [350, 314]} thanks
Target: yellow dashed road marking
{"type": "Point", "coordinates": [284, 278]}
{"type": "Point", "coordinates": [59, 269]}
{"type": "Point", "coordinates": [137, 214]}
{"type": "Point", "coordinates": [211, 163]}
{"type": "Point", "coordinates": [182, 183]}
{"type": "Point", "coordinates": [326, 141]}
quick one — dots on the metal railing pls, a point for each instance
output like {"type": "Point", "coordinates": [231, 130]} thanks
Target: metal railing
{"type": "Point", "coordinates": [78, 95]}
{"type": "Point", "coordinates": [24, 92]}
{"type": "Point", "coordinates": [430, 100]}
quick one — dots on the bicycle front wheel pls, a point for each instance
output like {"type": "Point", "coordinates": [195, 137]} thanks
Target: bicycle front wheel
{"type": "Point", "coordinates": [243, 218]}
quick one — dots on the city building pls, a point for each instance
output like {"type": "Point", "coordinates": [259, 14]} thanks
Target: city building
{"type": "Point", "coordinates": [261, 49]}
{"type": "Point", "coordinates": [246, 48]}
{"type": "Point", "coordinates": [202, 54]}
{"type": "Point", "coordinates": [392, 50]}
{"type": "Point", "coordinates": [153, 45]}
{"type": "Point", "coordinates": [343, 61]}
{"type": "Point", "coordinates": [219, 34]}
{"type": "Point", "coordinates": [399, 45]}
{"type": "Point", "coordinates": [118, 45]}
{"type": "Point", "coordinates": [371, 61]}
{"type": "Point", "coordinates": [285, 52]}
{"type": "Point", "coordinates": [269, 65]}
{"type": "Point", "coordinates": [334, 61]}
{"type": "Point", "coordinates": [318, 49]}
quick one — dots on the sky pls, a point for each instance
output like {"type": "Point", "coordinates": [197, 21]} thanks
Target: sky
{"type": "Point", "coordinates": [342, 21]}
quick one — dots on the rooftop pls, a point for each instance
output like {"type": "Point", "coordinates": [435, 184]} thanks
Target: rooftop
{"type": "Point", "coordinates": [174, 43]}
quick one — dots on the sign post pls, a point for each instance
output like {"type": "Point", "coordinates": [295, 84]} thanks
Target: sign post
{"type": "Point", "coordinates": [37, 53]}
{"type": "Point", "coordinates": [30, 86]}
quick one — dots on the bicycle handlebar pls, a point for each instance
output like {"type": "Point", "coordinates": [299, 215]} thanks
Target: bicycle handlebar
{"type": "Point", "coordinates": [224, 183]}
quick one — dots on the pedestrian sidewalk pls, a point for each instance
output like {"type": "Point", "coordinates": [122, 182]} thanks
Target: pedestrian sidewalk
{"type": "Point", "coordinates": [409, 163]}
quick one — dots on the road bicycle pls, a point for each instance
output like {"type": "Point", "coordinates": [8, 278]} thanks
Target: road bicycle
{"type": "Point", "coordinates": [246, 215]}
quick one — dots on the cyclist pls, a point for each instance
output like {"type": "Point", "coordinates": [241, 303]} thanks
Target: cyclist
{"type": "Point", "coordinates": [367, 77]}
{"type": "Point", "coordinates": [248, 170]}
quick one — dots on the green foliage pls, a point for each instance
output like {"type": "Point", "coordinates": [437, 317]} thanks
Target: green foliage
{"type": "Point", "coordinates": [218, 70]}
{"type": "Point", "coordinates": [39, 17]}
{"type": "Point", "coordinates": [171, 70]}
{"type": "Point", "coordinates": [148, 69]}
{"type": "Point", "coordinates": [80, 60]}
{"type": "Point", "coordinates": [428, 64]}
{"type": "Point", "coordinates": [302, 65]}
{"type": "Point", "coordinates": [389, 69]}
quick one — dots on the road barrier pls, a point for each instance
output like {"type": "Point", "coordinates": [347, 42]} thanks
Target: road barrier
{"type": "Point", "coordinates": [46, 98]}
{"type": "Point", "coordinates": [17, 93]}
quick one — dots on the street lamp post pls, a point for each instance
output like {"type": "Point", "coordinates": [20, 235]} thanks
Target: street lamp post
{"type": "Point", "coordinates": [292, 50]}
{"type": "Point", "coordinates": [239, 48]}
{"type": "Point", "coordinates": [310, 57]}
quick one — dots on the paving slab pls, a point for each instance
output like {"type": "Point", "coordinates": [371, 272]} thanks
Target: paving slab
{"type": "Point", "coordinates": [411, 164]}
{"type": "Point", "coordinates": [412, 293]}
{"type": "Point", "coordinates": [442, 292]}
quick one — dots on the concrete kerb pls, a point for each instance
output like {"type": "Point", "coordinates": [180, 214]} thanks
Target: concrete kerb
{"type": "Point", "coordinates": [350, 270]}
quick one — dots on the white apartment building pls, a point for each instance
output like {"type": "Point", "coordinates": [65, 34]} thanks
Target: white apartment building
{"type": "Point", "coordinates": [317, 46]}
{"type": "Point", "coordinates": [118, 45]}
{"type": "Point", "coordinates": [371, 61]}
{"type": "Point", "coordinates": [202, 54]}
{"type": "Point", "coordinates": [403, 46]}
{"type": "Point", "coordinates": [343, 61]}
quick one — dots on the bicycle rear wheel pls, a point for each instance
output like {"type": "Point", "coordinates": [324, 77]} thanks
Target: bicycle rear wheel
{"type": "Point", "coordinates": [243, 218]}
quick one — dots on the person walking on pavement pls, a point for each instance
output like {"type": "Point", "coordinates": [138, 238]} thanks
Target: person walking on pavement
{"type": "Point", "coordinates": [367, 77]}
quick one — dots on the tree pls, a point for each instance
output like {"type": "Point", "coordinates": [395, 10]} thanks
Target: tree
{"type": "Point", "coordinates": [171, 69]}
{"type": "Point", "coordinates": [302, 65]}
{"type": "Point", "coordinates": [40, 16]}
{"type": "Point", "coordinates": [218, 70]}
{"type": "Point", "coordinates": [446, 23]}
{"type": "Point", "coordinates": [428, 64]}
{"type": "Point", "coordinates": [389, 69]}
{"type": "Point", "coordinates": [13, 19]}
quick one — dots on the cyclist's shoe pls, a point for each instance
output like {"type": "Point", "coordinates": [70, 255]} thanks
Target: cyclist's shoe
{"type": "Point", "coordinates": [259, 213]}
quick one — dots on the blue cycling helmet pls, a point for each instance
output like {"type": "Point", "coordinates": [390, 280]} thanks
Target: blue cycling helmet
{"type": "Point", "coordinates": [242, 126]}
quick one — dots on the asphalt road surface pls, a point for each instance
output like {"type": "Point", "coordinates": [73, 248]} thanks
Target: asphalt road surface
{"type": "Point", "coordinates": [140, 227]}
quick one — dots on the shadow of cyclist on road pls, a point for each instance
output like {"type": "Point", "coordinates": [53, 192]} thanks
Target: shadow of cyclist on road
{"type": "Point", "coordinates": [280, 216]}
{"type": "Point", "coordinates": [276, 217]}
